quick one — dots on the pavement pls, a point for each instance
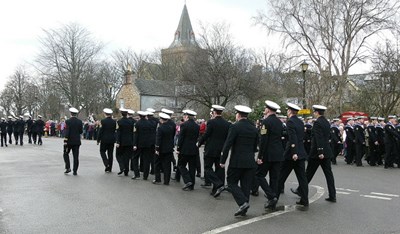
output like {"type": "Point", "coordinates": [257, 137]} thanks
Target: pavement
{"type": "Point", "coordinates": [36, 197]}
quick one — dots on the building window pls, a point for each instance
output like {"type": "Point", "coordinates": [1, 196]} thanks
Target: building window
{"type": "Point", "coordinates": [121, 103]}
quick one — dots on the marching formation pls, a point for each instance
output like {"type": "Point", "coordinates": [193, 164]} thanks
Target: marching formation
{"type": "Point", "coordinates": [147, 145]}
{"type": "Point", "coordinates": [17, 127]}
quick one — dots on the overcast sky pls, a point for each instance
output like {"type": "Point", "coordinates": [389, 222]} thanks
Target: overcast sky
{"type": "Point", "coordinates": [142, 25]}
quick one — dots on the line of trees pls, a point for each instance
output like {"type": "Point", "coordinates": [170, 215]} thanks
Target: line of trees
{"type": "Point", "coordinates": [72, 69]}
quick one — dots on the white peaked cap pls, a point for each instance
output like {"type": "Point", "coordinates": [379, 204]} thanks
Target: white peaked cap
{"type": "Point", "coordinates": [272, 105]}
{"type": "Point", "coordinates": [319, 107]}
{"type": "Point", "coordinates": [218, 107]}
{"type": "Point", "coordinates": [107, 111]}
{"type": "Point", "coordinates": [166, 111]}
{"type": "Point", "coordinates": [164, 116]}
{"type": "Point", "coordinates": [189, 112]}
{"type": "Point", "coordinates": [293, 106]}
{"type": "Point", "coordinates": [243, 109]}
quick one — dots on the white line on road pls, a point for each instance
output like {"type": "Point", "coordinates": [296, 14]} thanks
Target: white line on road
{"type": "Point", "coordinates": [377, 197]}
{"type": "Point", "coordinates": [385, 194]}
{"type": "Point", "coordinates": [317, 195]}
{"type": "Point", "coordinates": [348, 190]}
{"type": "Point", "coordinates": [339, 192]}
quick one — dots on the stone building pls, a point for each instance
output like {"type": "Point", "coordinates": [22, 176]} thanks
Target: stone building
{"type": "Point", "coordinates": [139, 93]}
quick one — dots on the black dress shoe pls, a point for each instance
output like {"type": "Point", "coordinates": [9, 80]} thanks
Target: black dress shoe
{"type": "Point", "coordinates": [219, 191]}
{"type": "Point", "coordinates": [295, 191]}
{"type": "Point", "coordinates": [156, 182]}
{"type": "Point", "coordinates": [271, 204]}
{"type": "Point", "coordinates": [302, 203]}
{"type": "Point", "coordinates": [187, 186]}
{"type": "Point", "coordinates": [242, 209]}
{"type": "Point", "coordinates": [75, 173]}
{"type": "Point", "coordinates": [198, 175]}
{"type": "Point", "coordinates": [330, 199]}
{"type": "Point", "coordinates": [120, 173]}
{"type": "Point", "coordinates": [205, 185]}
{"type": "Point", "coordinates": [254, 193]}
{"type": "Point", "coordinates": [67, 171]}
{"type": "Point", "coordinates": [135, 177]}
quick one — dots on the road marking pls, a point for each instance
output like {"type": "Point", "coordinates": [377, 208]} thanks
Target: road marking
{"type": "Point", "coordinates": [348, 190]}
{"type": "Point", "coordinates": [385, 194]}
{"type": "Point", "coordinates": [377, 197]}
{"type": "Point", "coordinates": [339, 192]}
{"type": "Point", "coordinates": [317, 195]}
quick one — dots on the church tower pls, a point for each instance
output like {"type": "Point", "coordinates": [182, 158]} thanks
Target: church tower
{"type": "Point", "coordinates": [183, 47]}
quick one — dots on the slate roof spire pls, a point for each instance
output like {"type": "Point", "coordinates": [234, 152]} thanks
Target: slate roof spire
{"type": "Point", "coordinates": [184, 35]}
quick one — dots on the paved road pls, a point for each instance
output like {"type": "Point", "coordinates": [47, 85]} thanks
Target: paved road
{"type": "Point", "coordinates": [36, 197]}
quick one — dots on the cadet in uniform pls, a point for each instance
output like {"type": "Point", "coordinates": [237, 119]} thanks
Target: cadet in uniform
{"type": "Point", "coordinates": [19, 130]}
{"type": "Point", "coordinates": [154, 121]}
{"type": "Point", "coordinates": [10, 129]}
{"type": "Point", "coordinates": [270, 155]}
{"type": "Point", "coordinates": [373, 142]}
{"type": "Point", "coordinates": [350, 140]}
{"type": "Point", "coordinates": [307, 136]}
{"type": "Point", "coordinates": [187, 149]}
{"type": "Point", "coordinates": [380, 132]}
{"type": "Point", "coordinates": [144, 144]}
{"type": "Point", "coordinates": [29, 123]}
{"type": "Point", "coordinates": [3, 130]}
{"type": "Point", "coordinates": [173, 125]}
{"type": "Point", "coordinates": [40, 123]}
{"type": "Point", "coordinates": [295, 157]}
{"type": "Point", "coordinates": [242, 141]}
{"type": "Point", "coordinates": [214, 138]}
{"type": "Point", "coordinates": [335, 140]}
{"type": "Point", "coordinates": [359, 141]}
{"type": "Point", "coordinates": [164, 149]}
{"type": "Point", "coordinates": [391, 138]}
{"type": "Point", "coordinates": [72, 140]}
{"type": "Point", "coordinates": [320, 153]}
{"type": "Point", "coordinates": [124, 141]}
{"type": "Point", "coordinates": [106, 139]}
{"type": "Point", "coordinates": [130, 117]}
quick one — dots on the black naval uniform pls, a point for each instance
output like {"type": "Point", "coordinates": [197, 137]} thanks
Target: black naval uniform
{"type": "Point", "coordinates": [145, 146]}
{"type": "Point", "coordinates": [106, 138]}
{"type": "Point", "coordinates": [72, 141]}
{"type": "Point", "coordinates": [3, 129]}
{"type": "Point", "coordinates": [320, 145]}
{"type": "Point", "coordinates": [40, 124]}
{"type": "Point", "coordinates": [307, 138]}
{"type": "Point", "coordinates": [350, 146]}
{"type": "Point", "coordinates": [335, 142]}
{"type": "Point", "coordinates": [359, 143]}
{"type": "Point", "coordinates": [380, 133]}
{"type": "Point", "coordinates": [10, 129]}
{"type": "Point", "coordinates": [373, 145]}
{"type": "Point", "coordinates": [125, 141]}
{"type": "Point", "coordinates": [242, 140]}
{"type": "Point", "coordinates": [188, 151]}
{"type": "Point", "coordinates": [214, 137]}
{"type": "Point", "coordinates": [35, 130]}
{"type": "Point", "coordinates": [271, 154]}
{"type": "Point", "coordinates": [295, 129]}
{"type": "Point", "coordinates": [29, 123]}
{"type": "Point", "coordinates": [133, 157]}
{"type": "Point", "coordinates": [391, 137]}
{"type": "Point", "coordinates": [19, 131]}
{"type": "Point", "coordinates": [165, 148]}
{"type": "Point", "coordinates": [154, 122]}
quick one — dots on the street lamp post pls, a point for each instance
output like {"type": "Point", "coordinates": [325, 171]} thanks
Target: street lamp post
{"type": "Point", "coordinates": [304, 67]}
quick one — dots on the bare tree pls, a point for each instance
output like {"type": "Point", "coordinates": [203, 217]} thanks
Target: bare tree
{"type": "Point", "coordinates": [333, 34]}
{"type": "Point", "coordinates": [382, 88]}
{"type": "Point", "coordinates": [65, 59]}
{"type": "Point", "coordinates": [137, 61]}
{"type": "Point", "coordinates": [219, 72]}
{"type": "Point", "coordinates": [18, 89]}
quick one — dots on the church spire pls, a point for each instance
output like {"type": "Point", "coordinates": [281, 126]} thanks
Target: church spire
{"type": "Point", "coordinates": [184, 35]}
